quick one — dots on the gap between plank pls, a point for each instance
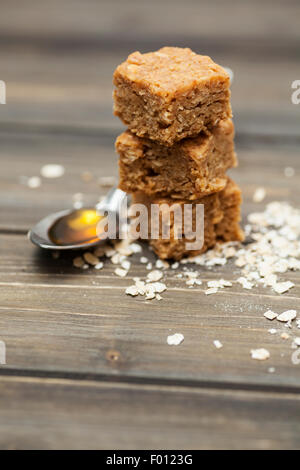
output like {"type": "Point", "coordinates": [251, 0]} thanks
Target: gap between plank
{"type": "Point", "coordinates": [111, 133]}
{"type": "Point", "coordinates": [98, 287]}
{"type": "Point", "coordinates": [110, 42]}
{"type": "Point", "coordinates": [149, 381]}
{"type": "Point", "coordinates": [137, 386]}
{"type": "Point", "coordinates": [13, 231]}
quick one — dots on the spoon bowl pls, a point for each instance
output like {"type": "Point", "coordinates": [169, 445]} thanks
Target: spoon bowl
{"type": "Point", "coordinates": [40, 235]}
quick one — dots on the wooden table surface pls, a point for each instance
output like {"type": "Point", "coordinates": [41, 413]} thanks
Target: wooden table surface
{"type": "Point", "coordinates": [88, 366]}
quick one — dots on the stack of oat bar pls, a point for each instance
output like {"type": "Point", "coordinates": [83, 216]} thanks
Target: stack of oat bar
{"type": "Point", "coordinates": [180, 140]}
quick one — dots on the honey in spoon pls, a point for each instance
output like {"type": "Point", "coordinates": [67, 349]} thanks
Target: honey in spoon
{"type": "Point", "coordinates": [79, 227]}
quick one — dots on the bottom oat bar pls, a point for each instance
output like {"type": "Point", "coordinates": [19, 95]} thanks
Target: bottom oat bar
{"type": "Point", "coordinates": [221, 221]}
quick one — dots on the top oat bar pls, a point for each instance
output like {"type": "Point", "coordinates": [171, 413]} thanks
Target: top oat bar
{"type": "Point", "coordinates": [171, 94]}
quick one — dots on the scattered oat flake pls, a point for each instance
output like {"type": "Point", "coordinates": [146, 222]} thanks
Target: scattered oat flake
{"type": "Point", "coordinates": [90, 258]}
{"type": "Point", "coordinates": [175, 340]}
{"type": "Point", "coordinates": [191, 274]}
{"type": "Point", "coordinates": [116, 258]}
{"type": "Point", "coordinates": [78, 262]}
{"type": "Point", "coordinates": [125, 264]}
{"type": "Point", "coordinates": [143, 260]}
{"type": "Point", "coordinates": [34, 182]}
{"type": "Point", "coordinates": [211, 291]}
{"type": "Point", "coordinates": [272, 331]}
{"type": "Point", "coordinates": [284, 335]}
{"type": "Point", "coordinates": [120, 272]}
{"type": "Point", "coordinates": [191, 282]}
{"type": "Point", "coordinates": [289, 172]}
{"type": "Point", "coordinates": [136, 248]}
{"type": "Point", "coordinates": [270, 315]}
{"type": "Point", "coordinates": [245, 283]}
{"type": "Point", "coordinates": [218, 344]}
{"type": "Point", "coordinates": [132, 290]}
{"type": "Point", "coordinates": [229, 252]}
{"type": "Point", "coordinates": [259, 195]}
{"type": "Point", "coordinates": [282, 287]}
{"type": "Point", "coordinates": [219, 283]}
{"type": "Point", "coordinates": [77, 205]}
{"type": "Point", "coordinates": [154, 276]}
{"type": "Point", "coordinates": [297, 341]}
{"type": "Point", "coordinates": [213, 284]}
{"type": "Point", "coordinates": [123, 248]}
{"type": "Point", "coordinates": [260, 354]}
{"type": "Point", "coordinates": [288, 324]}
{"type": "Point", "coordinates": [159, 287]}
{"type": "Point", "coordinates": [271, 370]}
{"type": "Point", "coordinates": [99, 251]}
{"type": "Point", "coordinates": [216, 262]}
{"type": "Point", "coordinates": [270, 280]}
{"type": "Point", "coordinates": [160, 264]}
{"type": "Point", "coordinates": [52, 170]}
{"type": "Point", "coordinates": [99, 265]}
{"type": "Point", "coordinates": [225, 283]}
{"type": "Point", "coordinates": [288, 315]}
{"type": "Point", "coordinates": [150, 295]}
{"type": "Point", "coordinates": [109, 251]}
{"type": "Point", "coordinates": [240, 262]}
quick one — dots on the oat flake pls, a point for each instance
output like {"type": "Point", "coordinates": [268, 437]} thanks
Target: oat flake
{"type": "Point", "coordinates": [175, 340]}
{"type": "Point", "coordinates": [270, 315]}
{"type": "Point", "coordinates": [260, 354]}
{"type": "Point", "coordinates": [287, 316]}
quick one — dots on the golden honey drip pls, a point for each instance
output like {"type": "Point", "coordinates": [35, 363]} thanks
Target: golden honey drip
{"type": "Point", "coordinates": [77, 228]}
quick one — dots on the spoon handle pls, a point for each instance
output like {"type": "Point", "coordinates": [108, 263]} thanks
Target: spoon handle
{"type": "Point", "coordinates": [112, 201]}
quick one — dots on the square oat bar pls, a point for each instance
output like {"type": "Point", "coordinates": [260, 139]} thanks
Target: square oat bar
{"type": "Point", "coordinates": [221, 221]}
{"type": "Point", "coordinates": [171, 94]}
{"type": "Point", "coordinates": [190, 169]}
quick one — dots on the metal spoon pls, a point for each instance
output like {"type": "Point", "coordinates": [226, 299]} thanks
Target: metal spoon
{"type": "Point", "coordinates": [40, 234]}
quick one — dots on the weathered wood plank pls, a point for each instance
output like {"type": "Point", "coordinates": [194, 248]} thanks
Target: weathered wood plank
{"type": "Point", "coordinates": [58, 66]}
{"type": "Point", "coordinates": [136, 20]}
{"type": "Point", "coordinates": [24, 154]}
{"type": "Point", "coordinates": [72, 90]}
{"type": "Point", "coordinates": [59, 320]}
{"type": "Point", "coordinates": [60, 414]}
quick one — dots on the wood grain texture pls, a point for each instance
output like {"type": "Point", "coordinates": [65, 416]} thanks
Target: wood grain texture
{"type": "Point", "coordinates": [58, 66]}
{"type": "Point", "coordinates": [57, 319]}
{"type": "Point", "coordinates": [141, 21]}
{"type": "Point", "coordinates": [88, 366]}
{"type": "Point", "coordinates": [72, 90]}
{"type": "Point", "coordinates": [262, 163]}
{"type": "Point", "coordinates": [62, 414]}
